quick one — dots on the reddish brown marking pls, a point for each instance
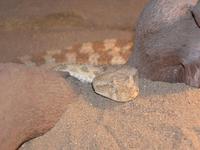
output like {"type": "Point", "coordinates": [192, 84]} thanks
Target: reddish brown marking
{"type": "Point", "coordinates": [104, 57]}
{"type": "Point", "coordinates": [82, 58]}
{"type": "Point", "coordinates": [125, 54]}
{"type": "Point", "coordinates": [76, 47]}
{"type": "Point", "coordinates": [38, 59]}
{"type": "Point", "coordinates": [98, 46]}
{"type": "Point", "coordinates": [122, 43]}
{"type": "Point", "coordinates": [59, 58]}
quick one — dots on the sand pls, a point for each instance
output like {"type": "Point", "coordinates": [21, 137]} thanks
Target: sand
{"type": "Point", "coordinates": [164, 116]}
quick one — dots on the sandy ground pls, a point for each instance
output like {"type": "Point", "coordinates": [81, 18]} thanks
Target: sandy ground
{"type": "Point", "coordinates": [32, 26]}
{"type": "Point", "coordinates": [164, 116]}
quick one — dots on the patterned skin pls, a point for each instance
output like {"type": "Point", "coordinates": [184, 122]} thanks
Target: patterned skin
{"type": "Point", "coordinates": [108, 51]}
{"type": "Point", "coordinates": [71, 60]}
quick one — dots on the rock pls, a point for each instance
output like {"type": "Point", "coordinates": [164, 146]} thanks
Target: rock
{"type": "Point", "coordinates": [167, 42]}
{"type": "Point", "coordinates": [196, 13]}
{"type": "Point", "coordinates": [31, 102]}
{"type": "Point", "coordinates": [118, 84]}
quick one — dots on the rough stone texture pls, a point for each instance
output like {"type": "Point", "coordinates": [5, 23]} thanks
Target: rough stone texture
{"type": "Point", "coordinates": [118, 83]}
{"type": "Point", "coordinates": [167, 43]}
{"type": "Point", "coordinates": [196, 13]}
{"type": "Point", "coordinates": [31, 102]}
